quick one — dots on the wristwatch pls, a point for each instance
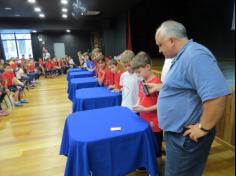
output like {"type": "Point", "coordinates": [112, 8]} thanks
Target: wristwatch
{"type": "Point", "coordinates": [203, 129]}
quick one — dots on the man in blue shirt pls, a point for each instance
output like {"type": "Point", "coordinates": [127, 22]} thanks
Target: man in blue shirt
{"type": "Point", "coordinates": [190, 102]}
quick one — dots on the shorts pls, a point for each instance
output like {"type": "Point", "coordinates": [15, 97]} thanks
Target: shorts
{"type": "Point", "coordinates": [12, 88]}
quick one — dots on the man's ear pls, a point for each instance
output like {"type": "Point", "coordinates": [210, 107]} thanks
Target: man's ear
{"type": "Point", "coordinates": [172, 41]}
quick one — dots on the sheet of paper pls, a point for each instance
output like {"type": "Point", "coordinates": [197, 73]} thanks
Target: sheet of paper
{"type": "Point", "coordinates": [115, 128]}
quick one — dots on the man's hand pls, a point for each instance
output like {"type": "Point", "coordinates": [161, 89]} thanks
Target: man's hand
{"type": "Point", "coordinates": [154, 87]}
{"type": "Point", "coordinates": [139, 108]}
{"type": "Point", "coordinates": [194, 132]}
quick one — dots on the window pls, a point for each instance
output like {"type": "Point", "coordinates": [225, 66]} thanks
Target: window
{"type": "Point", "coordinates": [7, 36]}
{"type": "Point", "coordinates": [10, 50]}
{"type": "Point", "coordinates": [23, 36]}
{"type": "Point", "coordinates": [16, 45]}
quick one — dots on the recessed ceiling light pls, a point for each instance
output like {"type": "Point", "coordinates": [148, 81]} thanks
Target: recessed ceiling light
{"type": "Point", "coordinates": [34, 31]}
{"type": "Point", "coordinates": [41, 15]}
{"type": "Point", "coordinates": [68, 30]}
{"type": "Point", "coordinates": [64, 1]}
{"type": "Point", "coordinates": [64, 16]}
{"type": "Point", "coordinates": [8, 8]}
{"type": "Point", "coordinates": [31, 1]}
{"type": "Point", "coordinates": [92, 13]}
{"type": "Point", "coordinates": [64, 10]}
{"type": "Point", "coordinates": [37, 9]}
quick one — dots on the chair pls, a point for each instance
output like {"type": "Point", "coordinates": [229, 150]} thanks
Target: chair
{"type": "Point", "coordinates": [9, 99]}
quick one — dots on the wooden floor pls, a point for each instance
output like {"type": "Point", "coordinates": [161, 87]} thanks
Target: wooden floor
{"type": "Point", "coordinates": [30, 136]}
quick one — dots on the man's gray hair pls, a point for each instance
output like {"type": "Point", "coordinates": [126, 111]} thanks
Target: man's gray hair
{"type": "Point", "coordinates": [172, 28]}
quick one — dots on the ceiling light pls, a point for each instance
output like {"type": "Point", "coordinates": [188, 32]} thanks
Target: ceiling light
{"type": "Point", "coordinates": [92, 13]}
{"type": "Point", "coordinates": [64, 16]}
{"type": "Point", "coordinates": [31, 1]}
{"type": "Point", "coordinates": [41, 15]}
{"type": "Point", "coordinates": [37, 9]}
{"type": "Point", "coordinates": [34, 31]}
{"type": "Point", "coordinates": [17, 15]}
{"type": "Point", "coordinates": [64, 1]}
{"type": "Point", "coordinates": [64, 10]}
{"type": "Point", "coordinates": [68, 30]}
{"type": "Point", "coordinates": [8, 8]}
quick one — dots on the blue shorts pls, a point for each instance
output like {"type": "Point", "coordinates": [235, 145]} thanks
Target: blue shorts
{"type": "Point", "coordinates": [13, 88]}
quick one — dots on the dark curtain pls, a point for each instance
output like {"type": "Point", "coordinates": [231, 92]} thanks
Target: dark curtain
{"type": "Point", "coordinates": [36, 47]}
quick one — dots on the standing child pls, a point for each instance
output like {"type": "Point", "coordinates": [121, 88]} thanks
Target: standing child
{"type": "Point", "coordinates": [129, 81]}
{"type": "Point", "coordinates": [147, 103]}
{"type": "Point", "coordinates": [101, 70]}
{"type": "Point", "coordinates": [110, 77]}
{"type": "Point", "coordinates": [89, 63]}
{"type": "Point", "coordinates": [114, 66]}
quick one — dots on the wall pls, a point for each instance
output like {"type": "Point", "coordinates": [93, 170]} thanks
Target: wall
{"type": "Point", "coordinates": [115, 35]}
{"type": "Point", "coordinates": [207, 22]}
{"type": "Point", "coordinates": [73, 42]}
{"type": "Point", "coordinates": [226, 126]}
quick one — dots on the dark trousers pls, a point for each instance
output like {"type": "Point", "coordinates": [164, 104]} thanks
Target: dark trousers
{"type": "Point", "coordinates": [185, 157]}
{"type": "Point", "coordinates": [2, 97]}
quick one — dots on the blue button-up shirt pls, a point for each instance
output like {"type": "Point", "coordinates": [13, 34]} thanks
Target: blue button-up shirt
{"type": "Point", "coordinates": [194, 77]}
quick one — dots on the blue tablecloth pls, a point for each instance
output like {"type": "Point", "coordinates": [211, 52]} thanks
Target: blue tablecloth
{"type": "Point", "coordinates": [81, 74]}
{"type": "Point", "coordinates": [80, 83]}
{"type": "Point", "coordinates": [92, 148]}
{"type": "Point", "coordinates": [95, 98]}
{"type": "Point", "coordinates": [75, 70]}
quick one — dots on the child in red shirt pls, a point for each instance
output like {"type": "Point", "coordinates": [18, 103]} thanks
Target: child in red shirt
{"type": "Point", "coordinates": [13, 64]}
{"type": "Point", "coordinates": [101, 70]}
{"type": "Point", "coordinates": [49, 68]}
{"type": "Point", "coordinates": [30, 67]}
{"type": "Point", "coordinates": [41, 66]}
{"type": "Point", "coordinates": [147, 103]}
{"type": "Point", "coordinates": [110, 77]}
{"type": "Point", "coordinates": [114, 66]}
{"type": "Point", "coordinates": [10, 83]}
{"type": "Point", "coordinates": [32, 73]}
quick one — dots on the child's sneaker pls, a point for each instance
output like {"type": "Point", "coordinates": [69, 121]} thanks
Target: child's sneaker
{"type": "Point", "coordinates": [18, 104]}
{"type": "Point", "coordinates": [3, 113]}
{"type": "Point", "coordinates": [24, 101]}
{"type": "Point", "coordinates": [141, 170]}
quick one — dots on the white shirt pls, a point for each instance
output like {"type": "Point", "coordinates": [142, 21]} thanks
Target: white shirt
{"type": "Point", "coordinates": [166, 68]}
{"type": "Point", "coordinates": [130, 85]}
{"type": "Point", "coordinates": [71, 62]}
{"type": "Point", "coordinates": [19, 73]}
{"type": "Point", "coordinates": [47, 55]}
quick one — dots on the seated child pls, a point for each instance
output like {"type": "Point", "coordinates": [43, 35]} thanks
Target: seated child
{"type": "Point", "coordinates": [11, 84]}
